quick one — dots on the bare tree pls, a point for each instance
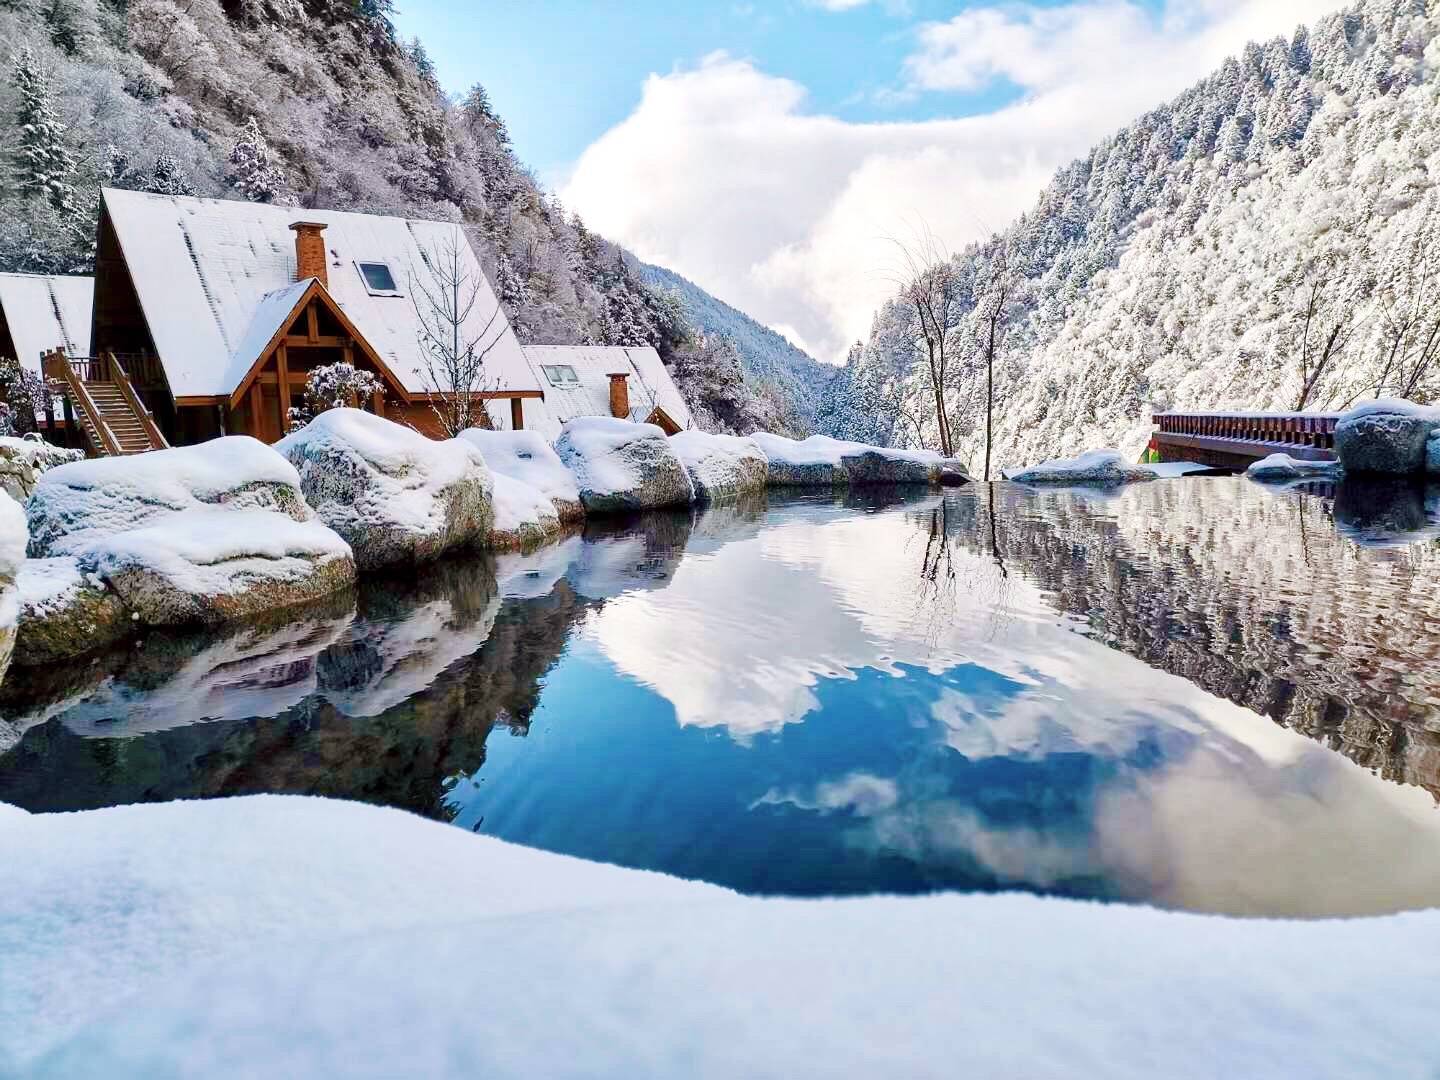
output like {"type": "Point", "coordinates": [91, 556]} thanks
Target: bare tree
{"type": "Point", "coordinates": [458, 325]}
{"type": "Point", "coordinates": [1328, 323]}
{"type": "Point", "coordinates": [930, 284]}
{"type": "Point", "coordinates": [1411, 334]}
{"type": "Point", "coordinates": [994, 313]}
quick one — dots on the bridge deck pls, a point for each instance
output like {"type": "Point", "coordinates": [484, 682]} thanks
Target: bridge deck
{"type": "Point", "coordinates": [1234, 440]}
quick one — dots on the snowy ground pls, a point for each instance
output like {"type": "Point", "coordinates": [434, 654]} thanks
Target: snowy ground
{"type": "Point", "coordinates": [274, 936]}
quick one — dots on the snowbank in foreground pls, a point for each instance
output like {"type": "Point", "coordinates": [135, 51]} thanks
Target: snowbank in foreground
{"type": "Point", "coordinates": [285, 936]}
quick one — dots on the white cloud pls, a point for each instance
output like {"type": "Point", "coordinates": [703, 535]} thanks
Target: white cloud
{"type": "Point", "coordinates": [721, 174]}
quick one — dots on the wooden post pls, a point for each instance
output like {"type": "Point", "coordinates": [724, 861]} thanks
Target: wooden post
{"type": "Point", "coordinates": [70, 433]}
{"type": "Point", "coordinates": [254, 401]}
{"type": "Point", "coordinates": [517, 414]}
{"type": "Point", "coordinates": [284, 372]}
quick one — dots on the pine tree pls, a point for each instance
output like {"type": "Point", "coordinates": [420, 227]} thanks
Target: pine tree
{"type": "Point", "coordinates": [43, 162]}
{"type": "Point", "coordinates": [253, 171]}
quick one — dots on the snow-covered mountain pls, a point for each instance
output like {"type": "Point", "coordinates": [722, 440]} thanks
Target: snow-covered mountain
{"type": "Point", "coordinates": [1271, 236]}
{"type": "Point", "coordinates": [314, 103]}
{"type": "Point", "coordinates": [787, 375]}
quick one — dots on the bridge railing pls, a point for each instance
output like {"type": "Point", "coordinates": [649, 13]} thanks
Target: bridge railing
{"type": "Point", "coordinates": [1312, 430]}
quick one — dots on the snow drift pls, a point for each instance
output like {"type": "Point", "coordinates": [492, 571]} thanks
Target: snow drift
{"type": "Point", "coordinates": [303, 937]}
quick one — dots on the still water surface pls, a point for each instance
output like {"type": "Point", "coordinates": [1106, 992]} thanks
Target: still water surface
{"type": "Point", "coordinates": [1199, 693]}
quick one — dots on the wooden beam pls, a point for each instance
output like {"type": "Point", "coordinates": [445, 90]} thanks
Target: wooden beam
{"type": "Point", "coordinates": [323, 341]}
{"type": "Point", "coordinates": [312, 323]}
{"type": "Point", "coordinates": [283, 373]}
{"type": "Point", "coordinates": [484, 395]}
{"type": "Point", "coordinates": [517, 414]}
{"type": "Point", "coordinates": [200, 400]}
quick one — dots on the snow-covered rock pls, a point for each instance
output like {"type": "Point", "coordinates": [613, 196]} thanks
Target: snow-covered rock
{"type": "Point", "coordinates": [1387, 435]}
{"type": "Point", "coordinates": [214, 565]}
{"type": "Point", "coordinates": [721, 466]}
{"type": "Point", "coordinates": [524, 516]}
{"type": "Point", "coordinates": [285, 936]}
{"type": "Point", "coordinates": [812, 462]}
{"type": "Point", "coordinates": [65, 611]}
{"type": "Point", "coordinates": [392, 494]}
{"type": "Point", "coordinates": [1432, 453]}
{"type": "Point", "coordinates": [527, 457]}
{"type": "Point", "coordinates": [76, 504]}
{"type": "Point", "coordinates": [952, 472]}
{"type": "Point", "coordinates": [23, 460]}
{"type": "Point", "coordinates": [873, 465]}
{"type": "Point", "coordinates": [621, 466]}
{"type": "Point", "coordinates": [1281, 467]}
{"type": "Point", "coordinates": [821, 461]}
{"type": "Point", "coordinates": [12, 557]}
{"type": "Point", "coordinates": [1091, 467]}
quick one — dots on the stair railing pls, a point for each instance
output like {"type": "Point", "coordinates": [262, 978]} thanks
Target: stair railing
{"type": "Point", "coordinates": [127, 391]}
{"type": "Point", "coordinates": [56, 365]}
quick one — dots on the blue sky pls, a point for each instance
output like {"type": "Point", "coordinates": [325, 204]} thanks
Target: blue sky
{"type": "Point", "coordinates": [567, 70]}
{"type": "Point", "coordinates": [771, 151]}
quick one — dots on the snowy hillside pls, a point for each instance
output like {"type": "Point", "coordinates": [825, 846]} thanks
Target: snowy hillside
{"type": "Point", "coordinates": [768, 359]}
{"type": "Point", "coordinates": [314, 104]}
{"type": "Point", "coordinates": [1266, 240]}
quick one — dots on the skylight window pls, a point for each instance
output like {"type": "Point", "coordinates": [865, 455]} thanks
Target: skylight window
{"type": "Point", "coordinates": [560, 374]}
{"type": "Point", "coordinates": [379, 281]}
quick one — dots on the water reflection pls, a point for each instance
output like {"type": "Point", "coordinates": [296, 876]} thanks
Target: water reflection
{"type": "Point", "coordinates": [993, 688]}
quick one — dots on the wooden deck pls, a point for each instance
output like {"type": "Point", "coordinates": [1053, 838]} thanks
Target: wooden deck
{"type": "Point", "coordinates": [1235, 440]}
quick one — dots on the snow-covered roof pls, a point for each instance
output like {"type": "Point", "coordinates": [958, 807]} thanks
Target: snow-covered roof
{"type": "Point", "coordinates": [650, 385]}
{"type": "Point", "coordinates": [211, 273]}
{"type": "Point", "coordinates": [46, 312]}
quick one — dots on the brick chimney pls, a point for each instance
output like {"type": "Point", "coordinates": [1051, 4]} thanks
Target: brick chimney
{"type": "Point", "coordinates": [620, 395]}
{"type": "Point", "coordinates": [310, 258]}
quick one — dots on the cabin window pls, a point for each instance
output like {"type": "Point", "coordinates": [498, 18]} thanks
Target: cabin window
{"type": "Point", "coordinates": [560, 374]}
{"type": "Point", "coordinates": [379, 281]}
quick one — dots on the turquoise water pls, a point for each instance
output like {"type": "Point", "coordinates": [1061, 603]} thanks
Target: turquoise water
{"type": "Point", "coordinates": [1197, 693]}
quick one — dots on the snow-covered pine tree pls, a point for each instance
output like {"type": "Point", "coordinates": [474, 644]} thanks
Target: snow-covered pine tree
{"type": "Point", "coordinates": [253, 171]}
{"type": "Point", "coordinates": [43, 164]}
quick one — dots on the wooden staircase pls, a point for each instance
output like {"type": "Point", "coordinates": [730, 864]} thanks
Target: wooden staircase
{"type": "Point", "coordinates": [108, 411]}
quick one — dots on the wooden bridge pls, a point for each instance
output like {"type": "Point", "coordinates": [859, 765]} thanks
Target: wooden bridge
{"type": "Point", "coordinates": [1235, 440]}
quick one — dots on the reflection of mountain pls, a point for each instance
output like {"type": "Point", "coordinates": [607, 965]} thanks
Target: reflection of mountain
{"type": "Point", "coordinates": [1267, 605]}
{"type": "Point", "coordinates": [335, 739]}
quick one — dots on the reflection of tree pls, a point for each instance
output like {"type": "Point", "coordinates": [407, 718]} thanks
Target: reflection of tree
{"type": "Point", "coordinates": [1254, 597]}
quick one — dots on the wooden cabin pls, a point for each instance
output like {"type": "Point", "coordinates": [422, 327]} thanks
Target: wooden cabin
{"type": "Point", "coordinates": [216, 311]}
{"type": "Point", "coordinates": [40, 312]}
{"type": "Point", "coordinates": [604, 380]}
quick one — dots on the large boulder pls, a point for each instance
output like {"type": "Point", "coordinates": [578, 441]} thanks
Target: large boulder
{"type": "Point", "coordinates": [1432, 453]}
{"type": "Point", "coordinates": [12, 557]}
{"type": "Point", "coordinates": [392, 494]}
{"type": "Point", "coordinates": [621, 466]}
{"type": "Point", "coordinates": [1280, 468]}
{"type": "Point", "coordinates": [76, 504]}
{"type": "Point", "coordinates": [524, 517]}
{"type": "Point", "coordinates": [215, 565]}
{"type": "Point", "coordinates": [23, 460]}
{"type": "Point", "coordinates": [1385, 436]}
{"type": "Point", "coordinates": [1106, 467]}
{"type": "Point", "coordinates": [951, 472]}
{"type": "Point", "coordinates": [812, 462]}
{"type": "Point", "coordinates": [721, 466]}
{"type": "Point", "coordinates": [65, 611]}
{"type": "Point", "coordinates": [525, 456]}
{"type": "Point", "coordinates": [876, 465]}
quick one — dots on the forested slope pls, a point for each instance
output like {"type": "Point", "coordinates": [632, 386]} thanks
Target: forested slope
{"type": "Point", "coordinates": [1268, 239]}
